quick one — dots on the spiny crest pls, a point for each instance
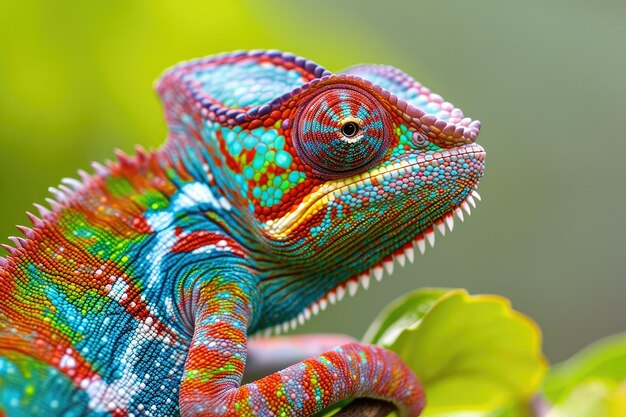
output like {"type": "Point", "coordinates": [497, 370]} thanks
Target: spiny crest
{"type": "Point", "coordinates": [27, 231]}
{"type": "Point", "coordinates": [63, 195]}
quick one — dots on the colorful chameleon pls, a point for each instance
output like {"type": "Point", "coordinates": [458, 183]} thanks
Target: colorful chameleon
{"type": "Point", "coordinates": [281, 186]}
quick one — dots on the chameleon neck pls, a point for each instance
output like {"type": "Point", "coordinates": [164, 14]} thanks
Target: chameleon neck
{"type": "Point", "coordinates": [282, 266]}
{"type": "Point", "coordinates": [201, 159]}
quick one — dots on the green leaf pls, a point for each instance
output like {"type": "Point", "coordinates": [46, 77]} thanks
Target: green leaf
{"type": "Point", "coordinates": [592, 399]}
{"type": "Point", "coordinates": [517, 410]}
{"type": "Point", "coordinates": [396, 317]}
{"type": "Point", "coordinates": [592, 383]}
{"type": "Point", "coordinates": [604, 361]}
{"type": "Point", "coordinates": [472, 353]}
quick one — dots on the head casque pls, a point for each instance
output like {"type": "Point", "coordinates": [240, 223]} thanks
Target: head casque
{"type": "Point", "coordinates": [333, 174]}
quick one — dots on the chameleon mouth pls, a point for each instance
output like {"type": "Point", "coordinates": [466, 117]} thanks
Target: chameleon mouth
{"type": "Point", "coordinates": [329, 191]}
{"type": "Point", "coordinates": [401, 255]}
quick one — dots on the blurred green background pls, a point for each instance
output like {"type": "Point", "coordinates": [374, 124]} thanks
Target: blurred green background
{"type": "Point", "coordinates": [546, 78]}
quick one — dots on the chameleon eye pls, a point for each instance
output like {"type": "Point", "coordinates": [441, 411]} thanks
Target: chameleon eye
{"type": "Point", "coordinates": [341, 131]}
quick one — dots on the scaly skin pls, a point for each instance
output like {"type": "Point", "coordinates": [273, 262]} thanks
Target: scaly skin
{"type": "Point", "coordinates": [280, 185]}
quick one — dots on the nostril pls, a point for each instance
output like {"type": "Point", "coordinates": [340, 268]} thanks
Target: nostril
{"type": "Point", "coordinates": [418, 138]}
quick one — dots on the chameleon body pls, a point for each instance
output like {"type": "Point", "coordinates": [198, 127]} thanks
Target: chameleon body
{"type": "Point", "coordinates": [280, 187]}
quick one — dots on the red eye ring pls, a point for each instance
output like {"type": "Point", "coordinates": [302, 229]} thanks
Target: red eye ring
{"type": "Point", "coordinates": [341, 130]}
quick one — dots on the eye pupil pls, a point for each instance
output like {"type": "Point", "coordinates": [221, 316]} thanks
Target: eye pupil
{"type": "Point", "coordinates": [350, 129]}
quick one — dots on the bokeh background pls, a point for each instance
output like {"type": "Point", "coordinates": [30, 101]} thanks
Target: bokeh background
{"type": "Point", "coordinates": [546, 78]}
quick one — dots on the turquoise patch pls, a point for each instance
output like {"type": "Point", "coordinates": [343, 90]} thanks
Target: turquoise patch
{"type": "Point", "coordinates": [283, 159]}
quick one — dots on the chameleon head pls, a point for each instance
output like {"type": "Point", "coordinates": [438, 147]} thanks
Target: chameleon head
{"type": "Point", "coordinates": [383, 175]}
{"type": "Point", "coordinates": [340, 174]}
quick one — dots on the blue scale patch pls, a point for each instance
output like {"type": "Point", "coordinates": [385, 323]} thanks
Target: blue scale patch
{"type": "Point", "coordinates": [248, 84]}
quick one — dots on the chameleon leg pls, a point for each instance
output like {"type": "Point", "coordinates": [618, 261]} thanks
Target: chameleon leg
{"type": "Point", "coordinates": [211, 383]}
{"type": "Point", "coordinates": [347, 371]}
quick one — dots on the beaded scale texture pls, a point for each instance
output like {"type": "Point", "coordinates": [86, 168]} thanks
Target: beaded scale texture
{"type": "Point", "coordinates": [281, 187]}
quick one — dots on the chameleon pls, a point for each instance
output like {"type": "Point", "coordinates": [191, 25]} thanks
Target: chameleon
{"type": "Point", "coordinates": [280, 187]}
